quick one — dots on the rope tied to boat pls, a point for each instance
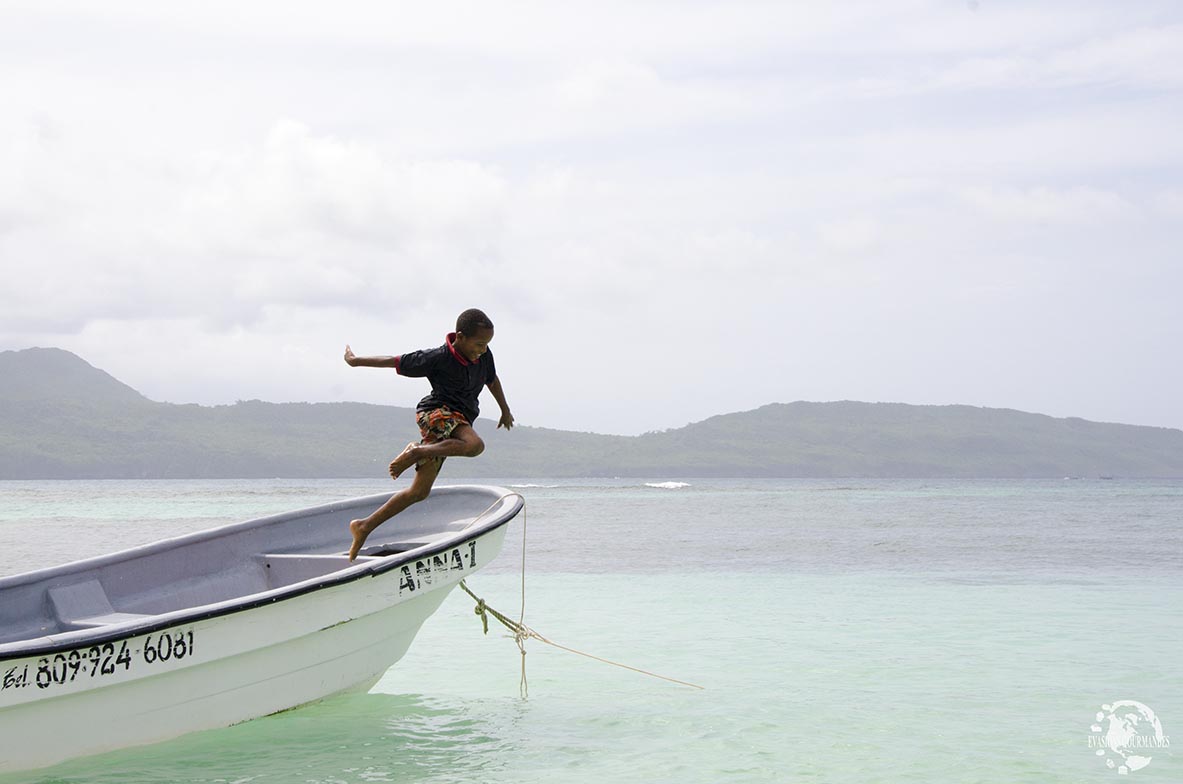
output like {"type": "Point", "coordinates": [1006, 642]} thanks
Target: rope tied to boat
{"type": "Point", "coordinates": [522, 632]}
{"type": "Point", "coordinates": [481, 610]}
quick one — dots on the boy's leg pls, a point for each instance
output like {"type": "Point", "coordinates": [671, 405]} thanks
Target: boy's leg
{"type": "Point", "coordinates": [419, 490]}
{"type": "Point", "coordinates": [402, 462]}
{"type": "Point", "coordinates": [463, 442]}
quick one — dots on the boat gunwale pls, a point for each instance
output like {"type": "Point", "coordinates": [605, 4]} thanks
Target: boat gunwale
{"type": "Point", "coordinates": [21, 649]}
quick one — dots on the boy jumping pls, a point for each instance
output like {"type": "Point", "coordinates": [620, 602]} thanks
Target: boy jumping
{"type": "Point", "coordinates": [457, 370]}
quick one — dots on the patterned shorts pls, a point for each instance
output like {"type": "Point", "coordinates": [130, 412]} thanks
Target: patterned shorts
{"type": "Point", "coordinates": [436, 425]}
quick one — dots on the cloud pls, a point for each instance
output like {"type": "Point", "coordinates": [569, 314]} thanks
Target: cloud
{"type": "Point", "coordinates": [850, 235]}
{"type": "Point", "coordinates": [1080, 205]}
{"type": "Point", "coordinates": [1144, 58]}
{"type": "Point", "coordinates": [298, 186]}
{"type": "Point", "coordinates": [1169, 203]}
{"type": "Point", "coordinates": [299, 219]}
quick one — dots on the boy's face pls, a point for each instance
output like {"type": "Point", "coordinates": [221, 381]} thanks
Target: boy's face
{"type": "Point", "coordinates": [471, 347]}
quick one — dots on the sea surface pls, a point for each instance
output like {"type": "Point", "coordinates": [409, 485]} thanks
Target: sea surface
{"type": "Point", "coordinates": [842, 631]}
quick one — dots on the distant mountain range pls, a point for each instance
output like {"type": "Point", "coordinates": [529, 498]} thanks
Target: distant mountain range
{"type": "Point", "coordinates": [62, 418]}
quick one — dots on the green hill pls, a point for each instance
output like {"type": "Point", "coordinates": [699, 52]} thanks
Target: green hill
{"type": "Point", "coordinates": [62, 418]}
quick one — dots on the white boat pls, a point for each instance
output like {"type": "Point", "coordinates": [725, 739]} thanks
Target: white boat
{"type": "Point", "coordinates": [217, 627]}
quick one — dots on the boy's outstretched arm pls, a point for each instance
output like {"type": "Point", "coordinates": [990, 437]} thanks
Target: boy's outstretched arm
{"type": "Point", "coordinates": [506, 420]}
{"type": "Point", "coordinates": [353, 360]}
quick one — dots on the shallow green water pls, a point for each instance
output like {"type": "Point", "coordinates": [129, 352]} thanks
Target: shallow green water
{"type": "Point", "coordinates": [953, 633]}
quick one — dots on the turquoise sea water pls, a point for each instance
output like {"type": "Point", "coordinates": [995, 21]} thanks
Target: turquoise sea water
{"type": "Point", "coordinates": [844, 631]}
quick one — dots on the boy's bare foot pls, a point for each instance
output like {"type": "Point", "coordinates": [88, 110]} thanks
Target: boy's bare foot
{"type": "Point", "coordinates": [403, 461]}
{"type": "Point", "coordinates": [358, 529]}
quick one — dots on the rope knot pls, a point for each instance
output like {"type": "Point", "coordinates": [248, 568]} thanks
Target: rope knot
{"type": "Point", "coordinates": [481, 610]}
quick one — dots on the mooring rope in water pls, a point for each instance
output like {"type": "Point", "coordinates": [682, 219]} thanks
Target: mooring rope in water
{"type": "Point", "coordinates": [522, 632]}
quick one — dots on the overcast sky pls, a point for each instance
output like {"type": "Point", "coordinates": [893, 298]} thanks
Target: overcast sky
{"type": "Point", "coordinates": [670, 210]}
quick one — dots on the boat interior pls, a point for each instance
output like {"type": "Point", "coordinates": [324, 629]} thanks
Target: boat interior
{"type": "Point", "coordinates": [215, 566]}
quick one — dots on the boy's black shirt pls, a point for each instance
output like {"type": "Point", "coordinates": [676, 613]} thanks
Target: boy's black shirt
{"type": "Point", "coordinates": [455, 381]}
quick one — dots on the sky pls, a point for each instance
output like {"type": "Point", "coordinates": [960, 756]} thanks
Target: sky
{"type": "Point", "coordinates": [670, 210]}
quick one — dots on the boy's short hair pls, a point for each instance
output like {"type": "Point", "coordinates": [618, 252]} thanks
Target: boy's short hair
{"type": "Point", "coordinates": [471, 321]}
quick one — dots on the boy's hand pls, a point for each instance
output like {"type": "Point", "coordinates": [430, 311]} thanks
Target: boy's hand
{"type": "Point", "coordinates": [506, 421]}
{"type": "Point", "coordinates": [350, 359]}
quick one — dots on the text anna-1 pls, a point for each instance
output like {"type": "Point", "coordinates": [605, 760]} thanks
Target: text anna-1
{"type": "Point", "coordinates": [427, 570]}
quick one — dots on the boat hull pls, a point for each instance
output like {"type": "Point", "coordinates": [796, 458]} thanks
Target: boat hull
{"type": "Point", "coordinates": [228, 667]}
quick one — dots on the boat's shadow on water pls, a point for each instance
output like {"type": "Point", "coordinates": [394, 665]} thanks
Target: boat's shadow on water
{"type": "Point", "coordinates": [356, 737]}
